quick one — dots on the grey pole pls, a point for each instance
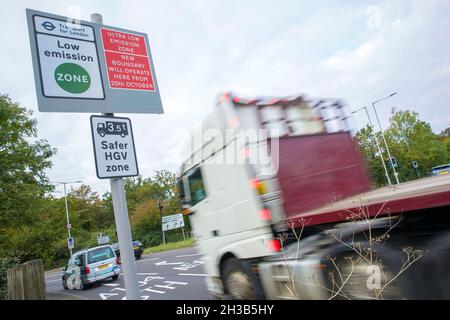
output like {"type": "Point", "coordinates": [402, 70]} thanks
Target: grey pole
{"type": "Point", "coordinates": [67, 214]}
{"type": "Point", "coordinates": [378, 145]}
{"type": "Point", "coordinates": [160, 207]}
{"type": "Point", "coordinates": [123, 223]}
{"type": "Point", "coordinates": [384, 139]}
{"type": "Point", "coordinates": [67, 206]}
{"type": "Point", "coordinates": [124, 238]}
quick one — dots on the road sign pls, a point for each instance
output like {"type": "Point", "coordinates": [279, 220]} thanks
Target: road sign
{"type": "Point", "coordinates": [81, 66]}
{"type": "Point", "coordinates": [172, 222]}
{"type": "Point", "coordinates": [70, 243]}
{"type": "Point", "coordinates": [127, 61]}
{"type": "Point", "coordinates": [101, 239]}
{"type": "Point", "coordinates": [114, 151]}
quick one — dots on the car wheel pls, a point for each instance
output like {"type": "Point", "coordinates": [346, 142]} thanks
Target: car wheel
{"type": "Point", "coordinates": [64, 284]}
{"type": "Point", "coordinates": [115, 277]}
{"type": "Point", "coordinates": [138, 256]}
{"type": "Point", "coordinates": [82, 285]}
{"type": "Point", "coordinates": [240, 282]}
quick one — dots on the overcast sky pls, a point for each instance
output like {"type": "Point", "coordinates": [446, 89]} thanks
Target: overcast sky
{"type": "Point", "coordinates": [358, 51]}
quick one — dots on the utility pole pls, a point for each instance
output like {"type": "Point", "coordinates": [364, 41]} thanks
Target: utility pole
{"type": "Point", "coordinates": [160, 207]}
{"type": "Point", "coordinates": [122, 222]}
{"type": "Point", "coordinates": [382, 134]}
{"type": "Point", "coordinates": [378, 145]}
{"type": "Point", "coordinates": [68, 226]}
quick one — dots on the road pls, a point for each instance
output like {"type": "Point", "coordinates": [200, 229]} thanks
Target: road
{"type": "Point", "coordinates": [170, 275]}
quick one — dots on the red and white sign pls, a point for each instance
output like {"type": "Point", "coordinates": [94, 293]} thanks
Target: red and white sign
{"type": "Point", "coordinates": [127, 61]}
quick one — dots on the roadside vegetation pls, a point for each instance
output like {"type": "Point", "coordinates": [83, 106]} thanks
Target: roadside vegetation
{"type": "Point", "coordinates": [170, 246]}
{"type": "Point", "coordinates": [409, 139]}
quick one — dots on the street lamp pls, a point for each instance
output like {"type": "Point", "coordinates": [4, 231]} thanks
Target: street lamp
{"type": "Point", "coordinates": [160, 207]}
{"type": "Point", "coordinates": [382, 134]}
{"type": "Point", "coordinates": [378, 145]}
{"type": "Point", "coordinates": [67, 207]}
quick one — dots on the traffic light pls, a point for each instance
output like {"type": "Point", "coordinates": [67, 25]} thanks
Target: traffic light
{"type": "Point", "coordinates": [394, 162]}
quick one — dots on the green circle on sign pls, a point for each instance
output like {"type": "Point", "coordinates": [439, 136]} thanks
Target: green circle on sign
{"type": "Point", "coordinates": [72, 78]}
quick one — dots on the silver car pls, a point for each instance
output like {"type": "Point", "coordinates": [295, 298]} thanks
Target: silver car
{"type": "Point", "coordinates": [90, 265]}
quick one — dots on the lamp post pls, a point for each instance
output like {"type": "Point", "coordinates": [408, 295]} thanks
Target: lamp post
{"type": "Point", "coordinates": [160, 207]}
{"type": "Point", "coordinates": [378, 145]}
{"type": "Point", "coordinates": [382, 134]}
{"type": "Point", "coordinates": [67, 207]}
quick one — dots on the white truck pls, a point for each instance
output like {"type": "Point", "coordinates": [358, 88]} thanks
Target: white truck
{"type": "Point", "coordinates": [281, 207]}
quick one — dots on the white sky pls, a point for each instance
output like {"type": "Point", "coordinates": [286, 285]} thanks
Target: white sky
{"type": "Point", "coordinates": [358, 51]}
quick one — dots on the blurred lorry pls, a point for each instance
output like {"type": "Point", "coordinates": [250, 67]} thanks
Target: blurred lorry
{"type": "Point", "coordinates": [281, 207]}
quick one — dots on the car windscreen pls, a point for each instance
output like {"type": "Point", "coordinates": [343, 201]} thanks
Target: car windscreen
{"type": "Point", "coordinates": [100, 254]}
{"type": "Point", "coordinates": [439, 168]}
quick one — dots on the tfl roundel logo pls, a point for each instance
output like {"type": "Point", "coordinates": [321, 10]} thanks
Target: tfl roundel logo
{"type": "Point", "coordinates": [48, 26]}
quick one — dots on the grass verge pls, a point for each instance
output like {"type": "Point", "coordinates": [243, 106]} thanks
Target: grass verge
{"type": "Point", "coordinates": [170, 246]}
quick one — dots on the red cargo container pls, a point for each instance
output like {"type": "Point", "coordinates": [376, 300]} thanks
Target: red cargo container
{"type": "Point", "coordinates": [316, 170]}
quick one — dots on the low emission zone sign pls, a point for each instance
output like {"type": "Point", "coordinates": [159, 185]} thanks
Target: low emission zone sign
{"type": "Point", "coordinates": [115, 155]}
{"type": "Point", "coordinates": [81, 66]}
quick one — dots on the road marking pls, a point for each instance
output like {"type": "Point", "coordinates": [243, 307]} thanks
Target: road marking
{"type": "Point", "coordinates": [189, 255]}
{"type": "Point", "coordinates": [165, 263]}
{"type": "Point", "coordinates": [52, 280]}
{"type": "Point", "coordinates": [55, 275]}
{"type": "Point", "coordinates": [143, 274]}
{"type": "Point", "coordinates": [105, 296]}
{"type": "Point", "coordinates": [151, 290]}
{"type": "Point", "coordinates": [192, 274]}
{"type": "Point", "coordinates": [111, 284]}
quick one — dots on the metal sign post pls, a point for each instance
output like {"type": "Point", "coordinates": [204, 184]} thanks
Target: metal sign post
{"type": "Point", "coordinates": [123, 223]}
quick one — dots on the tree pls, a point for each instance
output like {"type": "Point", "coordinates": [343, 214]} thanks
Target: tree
{"type": "Point", "coordinates": [365, 139]}
{"type": "Point", "coordinates": [23, 162]}
{"type": "Point", "coordinates": [409, 139]}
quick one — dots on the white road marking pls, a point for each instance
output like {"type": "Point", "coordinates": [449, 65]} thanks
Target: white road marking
{"type": "Point", "coordinates": [165, 263]}
{"type": "Point", "coordinates": [143, 274]}
{"type": "Point", "coordinates": [105, 296]}
{"type": "Point", "coordinates": [52, 276]}
{"type": "Point", "coordinates": [189, 255]}
{"type": "Point", "coordinates": [151, 290]}
{"type": "Point", "coordinates": [119, 289]}
{"type": "Point", "coordinates": [111, 284]}
{"type": "Point", "coordinates": [193, 274]}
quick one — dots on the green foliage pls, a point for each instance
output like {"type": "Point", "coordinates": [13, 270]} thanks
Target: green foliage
{"type": "Point", "coordinates": [409, 139]}
{"type": "Point", "coordinates": [23, 164]}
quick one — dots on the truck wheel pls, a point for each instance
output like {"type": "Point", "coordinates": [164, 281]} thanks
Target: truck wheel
{"type": "Point", "coordinates": [240, 282]}
{"type": "Point", "coordinates": [355, 278]}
